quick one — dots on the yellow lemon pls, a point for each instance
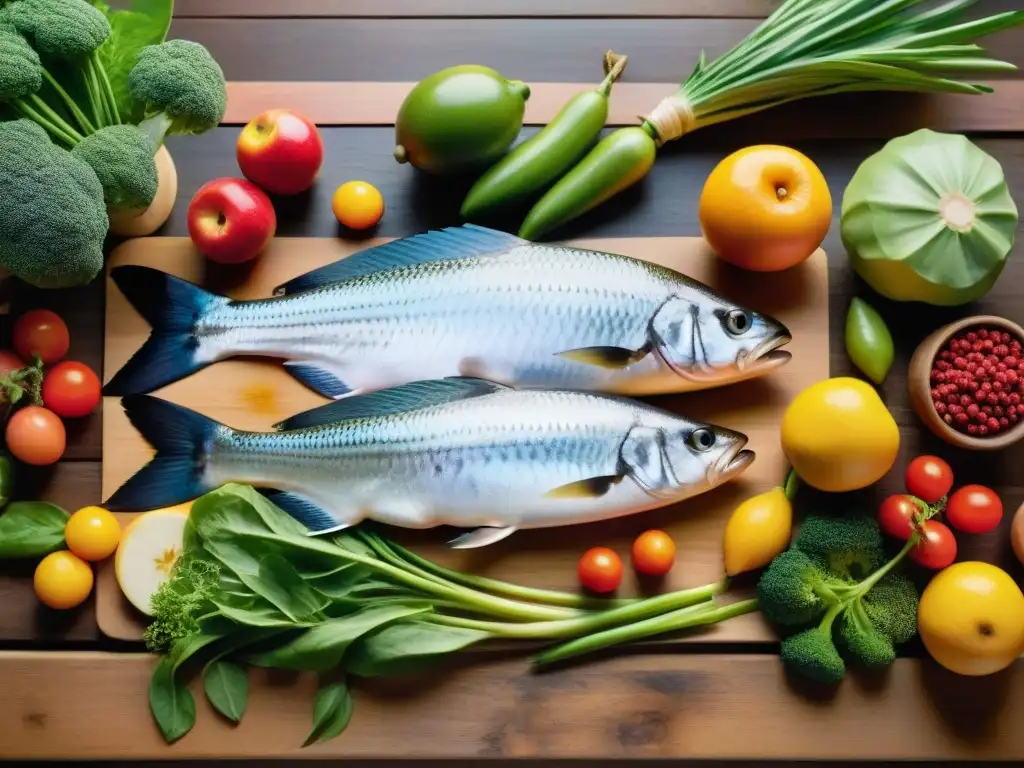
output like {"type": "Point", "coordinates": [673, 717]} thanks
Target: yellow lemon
{"type": "Point", "coordinates": [92, 533]}
{"type": "Point", "coordinates": [971, 619]}
{"type": "Point", "coordinates": [62, 580]}
{"type": "Point", "coordinates": [150, 546]}
{"type": "Point", "coordinates": [839, 436]}
{"type": "Point", "coordinates": [757, 531]}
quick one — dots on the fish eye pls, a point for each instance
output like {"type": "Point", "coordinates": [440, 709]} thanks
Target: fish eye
{"type": "Point", "coordinates": [737, 322]}
{"type": "Point", "coordinates": [701, 439]}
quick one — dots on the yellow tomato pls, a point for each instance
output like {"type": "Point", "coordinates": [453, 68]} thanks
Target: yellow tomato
{"type": "Point", "coordinates": [765, 208]}
{"type": "Point", "coordinates": [62, 580]}
{"type": "Point", "coordinates": [92, 533]}
{"type": "Point", "coordinates": [971, 619]}
{"type": "Point", "coordinates": [358, 205]}
{"type": "Point", "coordinates": [757, 531]}
{"type": "Point", "coordinates": [839, 436]}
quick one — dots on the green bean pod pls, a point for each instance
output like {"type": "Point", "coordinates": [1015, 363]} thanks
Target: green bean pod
{"type": "Point", "coordinates": [542, 159]}
{"type": "Point", "coordinates": [620, 160]}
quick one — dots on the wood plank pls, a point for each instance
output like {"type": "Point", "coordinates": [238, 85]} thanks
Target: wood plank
{"type": "Point", "coordinates": [534, 50]}
{"type": "Point", "coordinates": [255, 395]}
{"type": "Point", "coordinates": [658, 705]}
{"type": "Point", "coordinates": [847, 116]}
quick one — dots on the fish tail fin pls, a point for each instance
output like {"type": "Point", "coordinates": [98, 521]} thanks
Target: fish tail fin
{"type": "Point", "coordinates": [182, 439]}
{"type": "Point", "coordinates": [172, 306]}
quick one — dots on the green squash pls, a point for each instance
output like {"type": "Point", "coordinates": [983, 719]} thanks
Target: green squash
{"type": "Point", "coordinates": [459, 119]}
{"type": "Point", "coordinates": [929, 218]}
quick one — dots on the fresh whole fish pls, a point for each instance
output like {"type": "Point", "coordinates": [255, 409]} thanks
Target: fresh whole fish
{"type": "Point", "coordinates": [464, 301]}
{"type": "Point", "coordinates": [462, 452]}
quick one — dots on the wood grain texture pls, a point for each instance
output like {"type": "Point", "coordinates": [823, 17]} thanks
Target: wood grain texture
{"type": "Point", "coordinates": [534, 50]}
{"type": "Point", "coordinates": [836, 117]}
{"type": "Point", "coordinates": [251, 395]}
{"type": "Point", "coordinates": [654, 705]}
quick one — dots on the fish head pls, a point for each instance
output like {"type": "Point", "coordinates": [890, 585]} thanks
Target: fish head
{"type": "Point", "coordinates": [708, 339]}
{"type": "Point", "coordinates": [671, 461]}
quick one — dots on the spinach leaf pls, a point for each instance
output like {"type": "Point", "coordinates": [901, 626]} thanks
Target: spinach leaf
{"type": "Point", "coordinates": [332, 711]}
{"type": "Point", "coordinates": [322, 647]}
{"type": "Point", "coordinates": [409, 646]}
{"type": "Point", "coordinates": [227, 688]}
{"type": "Point", "coordinates": [171, 702]}
{"type": "Point", "coordinates": [31, 529]}
{"type": "Point", "coordinates": [186, 647]}
{"type": "Point", "coordinates": [253, 614]}
{"type": "Point", "coordinates": [337, 584]}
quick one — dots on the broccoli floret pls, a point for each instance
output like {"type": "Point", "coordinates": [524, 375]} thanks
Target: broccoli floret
{"type": "Point", "coordinates": [794, 591]}
{"type": "Point", "coordinates": [52, 220]}
{"type": "Point", "coordinates": [180, 601]}
{"type": "Point", "coordinates": [891, 606]}
{"type": "Point", "coordinates": [64, 29]}
{"type": "Point", "coordinates": [850, 546]}
{"type": "Point", "coordinates": [813, 654]}
{"type": "Point", "coordinates": [122, 157]}
{"type": "Point", "coordinates": [861, 641]}
{"type": "Point", "coordinates": [21, 73]}
{"type": "Point", "coordinates": [179, 89]}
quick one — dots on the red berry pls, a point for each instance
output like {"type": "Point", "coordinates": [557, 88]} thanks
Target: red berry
{"type": "Point", "coordinates": [992, 398]}
{"type": "Point", "coordinates": [986, 409]}
{"type": "Point", "coordinates": [972, 429]}
{"type": "Point", "coordinates": [982, 429]}
{"type": "Point", "coordinates": [973, 409]}
{"type": "Point", "coordinates": [1011, 377]}
{"type": "Point", "coordinates": [940, 407]}
{"type": "Point", "coordinates": [987, 345]}
{"type": "Point", "coordinates": [952, 399]}
{"type": "Point", "coordinates": [1004, 422]}
{"type": "Point", "coordinates": [1014, 398]}
{"type": "Point", "coordinates": [960, 364]}
{"type": "Point", "coordinates": [962, 418]}
{"type": "Point", "coordinates": [966, 400]}
{"type": "Point", "coordinates": [998, 411]}
{"type": "Point", "coordinates": [1001, 350]}
{"type": "Point", "coordinates": [948, 419]}
{"type": "Point", "coordinates": [986, 387]}
{"type": "Point", "coordinates": [954, 409]}
{"type": "Point", "coordinates": [1010, 361]}
{"type": "Point", "coordinates": [992, 423]}
{"type": "Point", "coordinates": [983, 333]}
{"type": "Point", "coordinates": [971, 336]}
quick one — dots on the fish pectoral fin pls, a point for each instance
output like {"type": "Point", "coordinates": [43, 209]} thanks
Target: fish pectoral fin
{"type": "Point", "coordinates": [606, 357]}
{"type": "Point", "coordinates": [307, 512]}
{"type": "Point", "coordinates": [317, 378]}
{"type": "Point", "coordinates": [590, 488]}
{"type": "Point", "coordinates": [481, 537]}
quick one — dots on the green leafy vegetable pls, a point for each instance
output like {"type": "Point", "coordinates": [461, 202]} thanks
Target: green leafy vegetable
{"type": "Point", "coordinates": [401, 649]}
{"type": "Point", "coordinates": [332, 711]}
{"type": "Point", "coordinates": [171, 702]}
{"type": "Point", "coordinates": [227, 688]}
{"type": "Point", "coordinates": [31, 529]}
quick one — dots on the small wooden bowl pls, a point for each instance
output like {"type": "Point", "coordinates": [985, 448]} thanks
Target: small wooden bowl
{"type": "Point", "coordinates": [920, 389]}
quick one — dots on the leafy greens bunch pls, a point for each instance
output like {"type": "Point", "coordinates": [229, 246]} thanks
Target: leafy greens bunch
{"type": "Point", "coordinates": [252, 588]}
{"type": "Point", "coordinates": [105, 88]}
{"type": "Point", "coordinates": [834, 584]}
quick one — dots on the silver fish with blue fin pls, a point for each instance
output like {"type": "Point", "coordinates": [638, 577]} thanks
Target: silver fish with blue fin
{"type": "Point", "coordinates": [460, 452]}
{"type": "Point", "coordinates": [463, 301]}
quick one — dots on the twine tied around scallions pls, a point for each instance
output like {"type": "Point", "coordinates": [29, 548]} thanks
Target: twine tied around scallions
{"type": "Point", "coordinates": [805, 48]}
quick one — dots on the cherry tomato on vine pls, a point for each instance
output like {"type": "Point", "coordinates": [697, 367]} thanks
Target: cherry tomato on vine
{"type": "Point", "coordinates": [929, 478]}
{"type": "Point", "coordinates": [41, 332]}
{"type": "Point", "coordinates": [974, 509]}
{"type": "Point", "coordinates": [937, 547]}
{"type": "Point", "coordinates": [36, 436]}
{"type": "Point", "coordinates": [896, 516]}
{"type": "Point", "coordinates": [654, 553]}
{"type": "Point", "coordinates": [9, 362]}
{"type": "Point", "coordinates": [71, 389]}
{"type": "Point", "coordinates": [600, 570]}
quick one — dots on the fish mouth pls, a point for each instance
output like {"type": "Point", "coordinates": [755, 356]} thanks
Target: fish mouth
{"type": "Point", "coordinates": [732, 463]}
{"type": "Point", "coordinates": [766, 354]}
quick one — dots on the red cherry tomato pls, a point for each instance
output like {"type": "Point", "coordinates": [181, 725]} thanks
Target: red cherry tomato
{"type": "Point", "coordinates": [36, 436]}
{"type": "Point", "coordinates": [41, 332]}
{"type": "Point", "coordinates": [654, 553]}
{"type": "Point", "coordinates": [600, 570]}
{"type": "Point", "coordinates": [9, 362]}
{"type": "Point", "coordinates": [71, 390]}
{"type": "Point", "coordinates": [896, 516]}
{"type": "Point", "coordinates": [937, 547]}
{"type": "Point", "coordinates": [929, 478]}
{"type": "Point", "coordinates": [974, 509]}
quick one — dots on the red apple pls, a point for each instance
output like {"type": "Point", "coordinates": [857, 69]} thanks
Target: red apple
{"type": "Point", "coordinates": [231, 220]}
{"type": "Point", "coordinates": [281, 151]}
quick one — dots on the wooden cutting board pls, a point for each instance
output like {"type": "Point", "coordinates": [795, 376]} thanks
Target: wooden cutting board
{"type": "Point", "coordinates": [252, 394]}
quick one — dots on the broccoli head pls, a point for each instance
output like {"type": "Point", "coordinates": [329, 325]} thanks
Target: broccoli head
{"type": "Point", "coordinates": [179, 88]}
{"type": "Point", "coordinates": [794, 590]}
{"type": "Point", "coordinates": [850, 547]}
{"type": "Point", "coordinates": [64, 29]}
{"type": "Point", "coordinates": [813, 654]}
{"type": "Point", "coordinates": [122, 157]}
{"type": "Point", "coordinates": [21, 73]}
{"type": "Point", "coordinates": [861, 641]}
{"type": "Point", "coordinates": [52, 221]}
{"type": "Point", "coordinates": [891, 605]}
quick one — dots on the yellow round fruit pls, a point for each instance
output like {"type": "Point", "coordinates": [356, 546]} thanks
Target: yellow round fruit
{"type": "Point", "coordinates": [971, 618]}
{"type": "Point", "coordinates": [62, 580]}
{"type": "Point", "coordinates": [357, 205]}
{"type": "Point", "coordinates": [757, 531]}
{"type": "Point", "coordinates": [839, 436]}
{"type": "Point", "coordinates": [92, 533]}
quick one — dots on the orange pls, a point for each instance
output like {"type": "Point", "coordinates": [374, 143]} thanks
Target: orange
{"type": "Point", "coordinates": [92, 533]}
{"type": "Point", "coordinates": [765, 208]}
{"type": "Point", "coordinates": [62, 580]}
{"type": "Point", "coordinates": [357, 205]}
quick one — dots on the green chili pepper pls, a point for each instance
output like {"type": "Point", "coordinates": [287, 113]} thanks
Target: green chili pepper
{"type": "Point", "coordinates": [868, 341]}
{"type": "Point", "coordinates": [6, 480]}
{"type": "Point", "coordinates": [620, 160]}
{"type": "Point", "coordinates": [539, 161]}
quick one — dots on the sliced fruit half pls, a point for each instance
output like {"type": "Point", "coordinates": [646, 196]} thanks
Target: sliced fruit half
{"type": "Point", "coordinates": [150, 546]}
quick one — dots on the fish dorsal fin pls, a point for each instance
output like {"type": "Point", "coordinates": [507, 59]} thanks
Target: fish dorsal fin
{"type": "Point", "coordinates": [408, 397]}
{"type": "Point", "coordinates": [436, 245]}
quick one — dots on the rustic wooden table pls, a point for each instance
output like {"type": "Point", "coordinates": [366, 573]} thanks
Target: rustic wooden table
{"type": "Point", "coordinates": [707, 703]}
